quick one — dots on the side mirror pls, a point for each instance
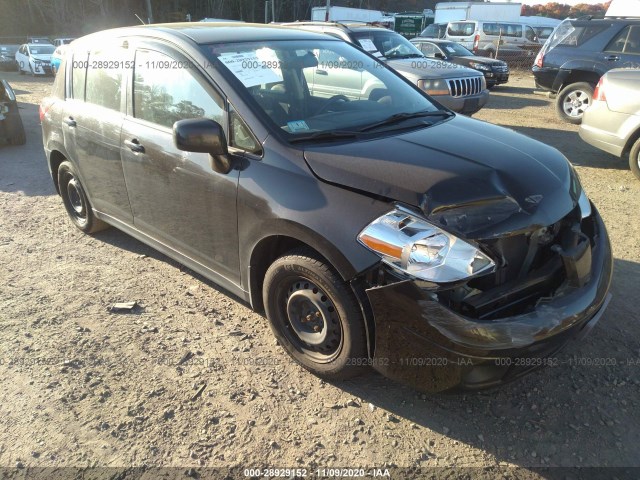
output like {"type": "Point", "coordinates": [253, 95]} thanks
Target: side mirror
{"type": "Point", "coordinates": [204, 136]}
{"type": "Point", "coordinates": [440, 56]}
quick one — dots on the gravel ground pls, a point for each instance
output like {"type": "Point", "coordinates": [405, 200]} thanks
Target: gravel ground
{"type": "Point", "coordinates": [192, 378]}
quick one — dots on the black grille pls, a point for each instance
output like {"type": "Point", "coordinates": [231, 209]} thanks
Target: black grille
{"type": "Point", "coordinates": [464, 87]}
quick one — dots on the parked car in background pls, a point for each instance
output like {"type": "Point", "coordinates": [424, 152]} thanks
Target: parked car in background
{"type": "Point", "coordinates": [11, 128]}
{"type": "Point", "coordinates": [57, 42]}
{"type": "Point", "coordinates": [496, 72]}
{"type": "Point", "coordinates": [39, 40]}
{"type": "Point", "coordinates": [456, 87]}
{"type": "Point", "coordinates": [612, 122]}
{"type": "Point", "coordinates": [486, 38]}
{"type": "Point", "coordinates": [8, 56]}
{"type": "Point", "coordinates": [385, 231]}
{"type": "Point", "coordinates": [576, 56]}
{"type": "Point", "coordinates": [56, 58]}
{"type": "Point", "coordinates": [435, 30]}
{"type": "Point", "coordinates": [34, 59]}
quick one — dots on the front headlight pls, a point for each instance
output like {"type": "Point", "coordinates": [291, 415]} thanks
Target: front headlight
{"type": "Point", "coordinates": [418, 248]}
{"type": "Point", "coordinates": [480, 66]}
{"type": "Point", "coordinates": [434, 87]}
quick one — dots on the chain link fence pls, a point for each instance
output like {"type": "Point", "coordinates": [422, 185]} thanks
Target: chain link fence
{"type": "Point", "coordinates": [518, 58]}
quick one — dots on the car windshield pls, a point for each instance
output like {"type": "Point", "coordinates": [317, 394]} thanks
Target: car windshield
{"type": "Point", "coordinates": [311, 87]}
{"type": "Point", "coordinates": [455, 50]}
{"type": "Point", "coordinates": [384, 43]}
{"type": "Point", "coordinates": [42, 50]}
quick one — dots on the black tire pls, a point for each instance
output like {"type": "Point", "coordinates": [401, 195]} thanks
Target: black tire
{"type": "Point", "coordinates": [76, 202]}
{"type": "Point", "coordinates": [315, 316]}
{"type": "Point", "coordinates": [634, 159]}
{"type": "Point", "coordinates": [19, 68]}
{"type": "Point", "coordinates": [573, 100]}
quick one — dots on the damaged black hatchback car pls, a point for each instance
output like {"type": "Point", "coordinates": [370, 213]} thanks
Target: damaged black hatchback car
{"type": "Point", "coordinates": [373, 226]}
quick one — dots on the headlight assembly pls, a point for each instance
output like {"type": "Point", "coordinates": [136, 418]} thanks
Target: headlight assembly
{"type": "Point", "coordinates": [434, 87]}
{"type": "Point", "coordinates": [480, 66]}
{"type": "Point", "coordinates": [417, 248]}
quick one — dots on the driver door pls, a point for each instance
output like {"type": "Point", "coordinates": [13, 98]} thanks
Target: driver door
{"type": "Point", "coordinates": [176, 196]}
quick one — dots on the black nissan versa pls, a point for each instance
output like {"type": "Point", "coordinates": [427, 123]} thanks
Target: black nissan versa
{"type": "Point", "coordinates": [382, 230]}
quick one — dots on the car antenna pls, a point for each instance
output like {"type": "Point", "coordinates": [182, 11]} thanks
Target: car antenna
{"type": "Point", "coordinates": [141, 21]}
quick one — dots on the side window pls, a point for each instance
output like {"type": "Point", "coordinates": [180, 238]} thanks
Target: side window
{"type": "Point", "coordinates": [429, 49]}
{"type": "Point", "coordinates": [104, 78]}
{"type": "Point", "coordinates": [164, 93]}
{"type": "Point", "coordinates": [78, 75]}
{"type": "Point", "coordinates": [511, 30]}
{"type": "Point", "coordinates": [491, 29]}
{"type": "Point", "coordinates": [461, 29]}
{"type": "Point", "coordinates": [627, 41]}
{"type": "Point", "coordinates": [530, 34]}
{"type": "Point", "coordinates": [241, 136]}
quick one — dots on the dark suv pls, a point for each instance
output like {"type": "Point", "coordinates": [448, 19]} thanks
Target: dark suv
{"type": "Point", "coordinates": [383, 230]}
{"type": "Point", "coordinates": [578, 53]}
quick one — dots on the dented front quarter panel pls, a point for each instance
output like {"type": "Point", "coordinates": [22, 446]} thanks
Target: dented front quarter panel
{"type": "Point", "coordinates": [424, 344]}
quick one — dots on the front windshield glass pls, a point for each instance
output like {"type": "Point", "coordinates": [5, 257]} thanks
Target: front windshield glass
{"type": "Point", "coordinates": [41, 50]}
{"type": "Point", "coordinates": [384, 43]}
{"type": "Point", "coordinates": [455, 50]}
{"type": "Point", "coordinates": [308, 87]}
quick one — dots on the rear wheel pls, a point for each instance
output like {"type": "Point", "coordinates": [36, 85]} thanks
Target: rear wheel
{"type": "Point", "coordinates": [19, 68]}
{"type": "Point", "coordinates": [76, 202]}
{"type": "Point", "coordinates": [573, 100]}
{"type": "Point", "coordinates": [634, 159]}
{"type": "Point", "coordinates": [315, 315]}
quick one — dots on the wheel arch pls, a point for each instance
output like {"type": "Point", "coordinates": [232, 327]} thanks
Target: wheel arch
{"type": "Point", "coordinates": [633, 138]}
{"type": "Point", "coordinates": [56, 157]}
{"type": "Point", "coordinates": [577, 75]}
{"type": "Point", "coordinates": [272, 246]}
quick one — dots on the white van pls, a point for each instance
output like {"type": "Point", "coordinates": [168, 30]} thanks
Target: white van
{"type": "Point", "coordinates": [484, 37]}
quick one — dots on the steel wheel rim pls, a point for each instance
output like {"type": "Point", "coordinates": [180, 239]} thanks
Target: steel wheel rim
{"type": "Point", "coordinates": [576, 103]}
{"type": "Point", "coordinates": [312, 321]}
{"type": "Point", "coordinates": [76, 199]}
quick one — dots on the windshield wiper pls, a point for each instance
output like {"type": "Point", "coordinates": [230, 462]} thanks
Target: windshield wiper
{"type": "Point", "coordinates": [326, 135]}
{"type": "Point", "coordinates": [399, 117]}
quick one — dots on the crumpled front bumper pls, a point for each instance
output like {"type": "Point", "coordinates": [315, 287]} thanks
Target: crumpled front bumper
{"type": "Point", "coordinates": [422, 343]}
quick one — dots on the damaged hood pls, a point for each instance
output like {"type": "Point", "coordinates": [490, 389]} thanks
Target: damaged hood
{"type": "Point", "coordinates": [473, 178]}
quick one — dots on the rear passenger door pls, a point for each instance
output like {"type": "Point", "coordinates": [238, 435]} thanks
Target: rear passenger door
{"type": "Point", "coordinates": [624, 49]}
{"type": "Point", "coordinates": [177, 198]}
{"type": "Point", "coordinates": [91, 126]}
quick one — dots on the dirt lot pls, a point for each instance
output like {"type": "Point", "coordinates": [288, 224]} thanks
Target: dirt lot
{"type": "Point", "coordinates": [193, 378]}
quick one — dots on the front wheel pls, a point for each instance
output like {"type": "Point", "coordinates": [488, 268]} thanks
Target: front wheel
{"type": "Point", "coordinates": [573, 100]}
{"type": "Point", "coordinates": [634, 159]}
{"type": "Point", "coordinates": [315, 316]}
{"type": "Point", "coordinates": [75, 200]}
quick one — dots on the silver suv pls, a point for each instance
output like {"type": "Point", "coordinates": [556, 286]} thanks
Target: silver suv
{"type": "Point", "coordinates": [461, 89]}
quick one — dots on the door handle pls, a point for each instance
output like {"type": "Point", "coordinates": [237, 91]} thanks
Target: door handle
{"type": "Point", "coordinates": [134, 146]}
{"type": "Point", "coordinates": [322, 72]}
{"type": "Point", "coordinates": [612, 58]}
{"type": "Point", "coordinates": [70, 121]}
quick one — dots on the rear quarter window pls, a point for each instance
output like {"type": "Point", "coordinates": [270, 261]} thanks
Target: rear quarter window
{"type": "Point", "coordinates": [104, 78]}
{"type": "Point", "coordinates": [582, 34]}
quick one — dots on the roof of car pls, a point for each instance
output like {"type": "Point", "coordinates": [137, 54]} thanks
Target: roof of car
{"type": "Point", "coordinates": [434, 40]}
{"type": "Point", "coordinates": [203, 33]}
{"type": "Point", "coordinates": [345, 25]}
